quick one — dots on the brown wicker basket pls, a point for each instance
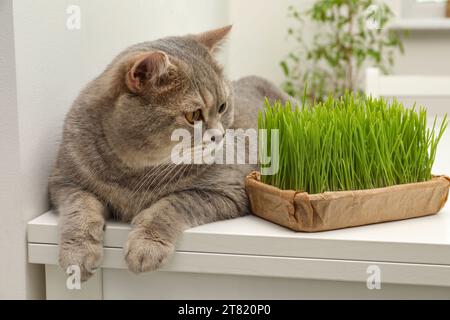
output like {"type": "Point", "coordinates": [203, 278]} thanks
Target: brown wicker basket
{"type": "Point", "coordinates": [301, 211]}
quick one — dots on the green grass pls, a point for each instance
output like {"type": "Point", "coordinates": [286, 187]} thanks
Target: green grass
{"type": "Point", "coordinates": [351, 143]}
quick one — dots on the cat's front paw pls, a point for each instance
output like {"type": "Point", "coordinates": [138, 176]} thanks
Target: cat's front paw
{"type": "Point", "coordinates": [85, 254]}
{"type": "Point", "coordinates": [145, 251]}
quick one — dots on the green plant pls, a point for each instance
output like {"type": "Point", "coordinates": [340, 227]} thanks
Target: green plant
{"type": "Point", "coordinates": [349, 143]}
{"type": "Point", "coordinates": [350, 35]}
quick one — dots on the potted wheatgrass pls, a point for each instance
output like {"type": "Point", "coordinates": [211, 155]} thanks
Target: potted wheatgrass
{"type": "Point", "coordinates": [347, 162]}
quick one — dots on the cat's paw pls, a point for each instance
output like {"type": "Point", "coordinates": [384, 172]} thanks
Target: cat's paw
{"type": "Point", "coordinates": [85, 254]}
{"type": "Point", "coordinates": [146, 252]}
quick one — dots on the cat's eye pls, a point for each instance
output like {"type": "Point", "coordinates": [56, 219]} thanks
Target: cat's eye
{"type": "Point", "coordinates": [222, 107]}
{"type": "Point", "coordinates": [192, 117]}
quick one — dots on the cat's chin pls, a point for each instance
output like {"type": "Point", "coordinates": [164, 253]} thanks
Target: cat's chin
{"type": "Point", "coordinates": [140, 159]}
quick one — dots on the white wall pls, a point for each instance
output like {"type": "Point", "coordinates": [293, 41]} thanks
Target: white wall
{"type": "Point", "coordinates": [259, 40]}
{"type": "Point", "coordinates": [426, 53]}
{"type": "Point", "coordinates": [15, 274]}
{"type": "Point", "coordinates": [52, 64]}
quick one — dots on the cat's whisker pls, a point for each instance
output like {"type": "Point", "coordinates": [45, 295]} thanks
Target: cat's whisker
{"type": "Point", "coordinates": [143, 180]}
{"type": "Point", "coordinates": [159, 176]}
{"type": "Point", "coordinates": [168, 171]}
{"type": "Point", "coordinates": [177, 175]}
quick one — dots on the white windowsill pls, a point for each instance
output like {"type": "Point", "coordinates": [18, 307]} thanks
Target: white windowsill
{"type": "Point", "coordinates": [421, 24]}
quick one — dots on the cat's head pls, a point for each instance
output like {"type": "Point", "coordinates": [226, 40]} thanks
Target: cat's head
{"type": "Point", "coordinates": [164, 85]}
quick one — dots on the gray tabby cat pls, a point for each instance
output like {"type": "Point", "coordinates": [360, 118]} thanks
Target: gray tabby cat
{"type": "Point", "coordinates": [114, 160]}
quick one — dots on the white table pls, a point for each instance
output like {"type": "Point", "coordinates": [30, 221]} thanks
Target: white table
{"type": "Point", "coordinates": [252, 258]}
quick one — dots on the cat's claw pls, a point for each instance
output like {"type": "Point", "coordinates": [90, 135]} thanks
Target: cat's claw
{"type": "Point", "coordinates": [86, 255]}
{"type": "Point", "coordinates": [144, 253]}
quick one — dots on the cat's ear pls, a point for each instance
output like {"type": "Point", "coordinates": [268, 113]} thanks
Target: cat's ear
{"type": "Point", "coordinates": [147, 68]}
{"type": "Point", "coordinates": [214, 38]}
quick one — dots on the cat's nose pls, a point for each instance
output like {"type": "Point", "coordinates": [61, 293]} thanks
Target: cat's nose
{"type": "Point", "coordinates": [215, 133]}
{"type": "Point", "coordinates": [217, 138]}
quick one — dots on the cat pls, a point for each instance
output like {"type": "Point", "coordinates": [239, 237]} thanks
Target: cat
{"type": "Point", "coordinates": [114, 158]}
